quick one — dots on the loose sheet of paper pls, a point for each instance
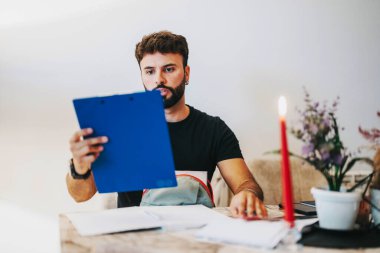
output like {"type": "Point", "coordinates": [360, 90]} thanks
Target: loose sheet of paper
{"type": "Point", "coordinates": [263, 234]}
{"type": "Point", "coordinates": [112, 221]}
{"type": "Point", "coordinates": [184, 217]}
{"type": "Point", "coordinates": [266, 234]}
{"type": "Point", "coordinates": [300, 224]}
{"type": "Point", "coordinates": [134, 218]}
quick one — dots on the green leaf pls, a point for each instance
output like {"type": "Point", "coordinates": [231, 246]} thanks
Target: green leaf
{"type": "Point", "coordinates": [352, 162]}
{"type": "Point", "coordinates": [360, 182]}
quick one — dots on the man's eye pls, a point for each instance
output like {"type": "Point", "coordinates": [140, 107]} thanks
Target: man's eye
{"type": "Point", "coordinates": [169, 69]}
{"type": "Point", "coordinates": [149, 72]}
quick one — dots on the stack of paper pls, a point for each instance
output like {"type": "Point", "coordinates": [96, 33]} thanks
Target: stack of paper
{"type": "Point", "coordinates": [266, 234]}
{"type": "Point", "coordinates": [145, 217]}
{"type": "Point", "coordinates": [262, 233]}
{"type": "Point", "coordinates": [112, 221]}
{"type": "Point", "coordinates": [216, 227]}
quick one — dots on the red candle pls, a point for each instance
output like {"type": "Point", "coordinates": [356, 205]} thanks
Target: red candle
{"type": "Point", "coordinates": [287, 189]}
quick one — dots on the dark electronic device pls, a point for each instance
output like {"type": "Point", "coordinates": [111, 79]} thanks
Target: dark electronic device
{"type": "Point", "coordinates": [303, 209]}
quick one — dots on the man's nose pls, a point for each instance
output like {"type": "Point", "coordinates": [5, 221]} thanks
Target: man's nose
{"type": "Point", "coordinates": [160, 79]}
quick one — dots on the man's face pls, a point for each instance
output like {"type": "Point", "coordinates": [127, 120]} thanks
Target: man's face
{"type": "Point", "coordinates": [165, 73]}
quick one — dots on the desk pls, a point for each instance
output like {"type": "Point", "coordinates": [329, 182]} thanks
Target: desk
{"type": "Point", "coordinates": [161, 242]}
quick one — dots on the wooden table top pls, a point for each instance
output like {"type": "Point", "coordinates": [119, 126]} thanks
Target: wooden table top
{"type": "Point", "coordinates": [161, 241]}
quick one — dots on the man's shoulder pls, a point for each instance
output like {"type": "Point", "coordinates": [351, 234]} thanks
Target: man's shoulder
{"type": "Point", "coordinates": [203, 115]}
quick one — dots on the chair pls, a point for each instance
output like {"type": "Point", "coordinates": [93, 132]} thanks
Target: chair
{"type": "Point", "coordinates": [267, 173]}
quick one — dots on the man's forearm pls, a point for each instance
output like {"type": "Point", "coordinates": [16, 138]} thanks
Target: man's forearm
{"type": "Point", "coordinates": [81, 189]}
{"type": "Point", "coordinates": [238, 177]}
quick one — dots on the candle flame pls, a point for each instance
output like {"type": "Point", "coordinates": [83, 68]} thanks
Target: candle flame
{"type": "Point", "coordinates": [282, 106]}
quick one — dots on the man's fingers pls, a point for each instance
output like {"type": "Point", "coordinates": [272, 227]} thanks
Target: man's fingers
{"type": "Point", "coordinates": [247, 205]}
{"type": "Point", "coordinates": [89, 158]}
{"type": "Point", "coordinates": [260, 208]}
{"type": "Point", "coordinates": [97, 140]}
{"type": "Point", "coordinates": [251, 203]}
{"type": "Point", "coordinates": [242, 207]}
{"type": "Point", "coordinates": [87, 150]}
{"type": "Point", "coordinates": [79, 134]}
{"type": "Point", "coordinates": [91, 141]}
{"type": "Point", "coordinates": [234, 212]}
{"type": "Point", "coordinates": [264, 211]}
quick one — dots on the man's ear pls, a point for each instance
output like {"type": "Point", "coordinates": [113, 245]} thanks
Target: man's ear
{"type": "Point", "coordinates": [187, 73]}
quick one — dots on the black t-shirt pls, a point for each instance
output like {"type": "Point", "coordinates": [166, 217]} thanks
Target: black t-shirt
{"type": "Point", "coordinates": [199, 142]}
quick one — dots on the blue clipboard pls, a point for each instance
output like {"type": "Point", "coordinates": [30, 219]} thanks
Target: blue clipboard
{"type": "Point", "coordinates": [138, 154]}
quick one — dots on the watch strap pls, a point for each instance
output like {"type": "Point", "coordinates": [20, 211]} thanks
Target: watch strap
{"type": "Point", "coordinates": [76, 175]}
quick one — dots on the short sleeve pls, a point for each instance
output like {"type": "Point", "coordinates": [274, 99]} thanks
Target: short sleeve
{"type": "Point", "coordinates": [227, 146]}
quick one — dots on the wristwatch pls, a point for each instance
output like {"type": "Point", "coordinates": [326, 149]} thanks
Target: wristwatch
{"type": "Point", "coordinates": [75, 175]}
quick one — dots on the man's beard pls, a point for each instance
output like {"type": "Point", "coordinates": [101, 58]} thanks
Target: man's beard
{"type": "Point", "coordinates": [177, 93]}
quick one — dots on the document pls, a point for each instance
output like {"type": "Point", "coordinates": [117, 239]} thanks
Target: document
{"type": "Point", "coordinates": [210, 225]}
{"type": "Point", "coordinates": [144, 217]}
{"type": "Point", "coordinates": [262, 233]}
{"type": "Point", "coordinates": [112, 221]}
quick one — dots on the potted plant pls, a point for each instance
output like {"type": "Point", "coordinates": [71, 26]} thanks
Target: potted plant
{"type": "Point", "coordinates": [337, 207]}
{"type": "Point", "coordinates": [373, 136]}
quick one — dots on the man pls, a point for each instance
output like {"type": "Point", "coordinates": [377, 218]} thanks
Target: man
{"type": "Point", "coordinates": [199, 142]}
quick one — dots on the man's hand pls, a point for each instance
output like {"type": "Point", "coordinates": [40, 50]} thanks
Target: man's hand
{"type": "Point", "coordinates": [85, 151]}
{"type": "Point", "coordinates": [246, 204]}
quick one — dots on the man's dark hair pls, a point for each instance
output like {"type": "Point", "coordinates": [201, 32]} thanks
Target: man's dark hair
{"type": "Point", "coordinates": [163, 42]}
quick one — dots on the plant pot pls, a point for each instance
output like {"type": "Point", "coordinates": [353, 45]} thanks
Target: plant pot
{"type": "Point", "coordinates": [375, 199]}
{"type": "Point", "coordinates": [336, 210]}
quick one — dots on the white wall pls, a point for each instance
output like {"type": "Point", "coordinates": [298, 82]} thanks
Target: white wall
{"type": "Point", "coordinates": [243, 55]}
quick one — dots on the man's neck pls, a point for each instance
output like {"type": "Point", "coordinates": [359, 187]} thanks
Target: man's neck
{"type": "Point", "coordinates": [177, 112]}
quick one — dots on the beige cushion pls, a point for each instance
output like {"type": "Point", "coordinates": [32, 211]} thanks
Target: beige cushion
{"type": "Point", "coordinates": [267, 173]}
